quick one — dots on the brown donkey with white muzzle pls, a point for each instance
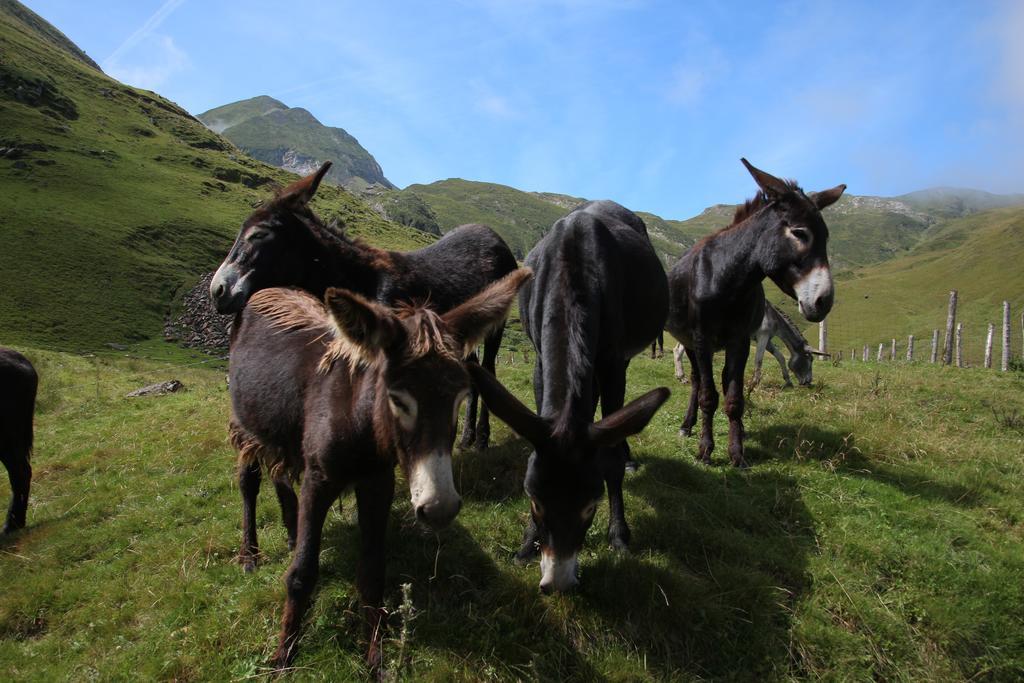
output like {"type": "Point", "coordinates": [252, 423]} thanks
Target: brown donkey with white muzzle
{"type": "Point", "coordinates": [342, 394]}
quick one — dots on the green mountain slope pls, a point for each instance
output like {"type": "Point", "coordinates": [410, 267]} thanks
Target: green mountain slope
{"type": "Point", "coordinates": [113, 199]}
{"type": "Point", "coordinates": [293, 139]}
{"type": "Point", "coordinates": [978, 255]}
{"type": "Point", "coordinates": [519, 217]}
{"type": "Point", "coordinates": [42, 29]}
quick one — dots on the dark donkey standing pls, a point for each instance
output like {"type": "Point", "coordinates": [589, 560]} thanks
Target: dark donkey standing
{"type": "Point", "coordinates": [345, 394]}
{"type": "Point", "coordinates": [18, 384]}
{"type": "Point", "coordinates": [284, 244]}
{"type": "Point", "coordinates": [598, 298]}
{"type": "Point", "coordinates": [717, 299]}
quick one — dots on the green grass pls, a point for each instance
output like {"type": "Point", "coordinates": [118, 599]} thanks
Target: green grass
{"type": "Point", "coordinates": [117, 199]}
{"type": "Point", "coordinates": [877, 535]}
{"type": "Point", "coordinates": [978, 255]}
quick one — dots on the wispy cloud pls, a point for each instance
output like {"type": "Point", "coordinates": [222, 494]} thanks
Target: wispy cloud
{"type": "Point", "coordinates": [163, 58]}
{"type": "Point", "coordinates": [152, 67]}
{"type": "Point", "coordinates": [143, 31]}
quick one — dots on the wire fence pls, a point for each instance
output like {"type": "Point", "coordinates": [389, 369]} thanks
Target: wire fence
{"type": "Point", "coordinates": [942, 327]}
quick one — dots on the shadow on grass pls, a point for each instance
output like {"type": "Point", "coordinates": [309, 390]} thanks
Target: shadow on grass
{"type": "Point", "coordinates": [492, 475]}
{"type": "Point", "coordinates": [719, 561]}
{"type": "Point", "coordinates": [468, 610]}
{"type": "Point", "coordinates": [839, 451]}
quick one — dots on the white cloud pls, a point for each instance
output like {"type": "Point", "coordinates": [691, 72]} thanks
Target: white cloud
{"type": "Point", "coordinates": [142, 32]}
{"type": "Point", "coordinates": [160, 60]}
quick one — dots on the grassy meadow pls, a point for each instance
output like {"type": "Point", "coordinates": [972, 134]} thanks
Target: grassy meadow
{"type": "Point", "coordinates": [877, 535]}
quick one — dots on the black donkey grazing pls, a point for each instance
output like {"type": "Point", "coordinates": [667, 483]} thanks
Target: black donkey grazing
{"type": "Point", "coordinates": [598, 298]}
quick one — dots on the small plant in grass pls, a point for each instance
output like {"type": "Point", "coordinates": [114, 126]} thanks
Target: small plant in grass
{"type": "Point", "coordinates": [407, 611]}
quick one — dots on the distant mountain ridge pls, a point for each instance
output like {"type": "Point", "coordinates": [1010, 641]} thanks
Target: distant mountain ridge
{"type": "Point", "coordinates": [293, 139]}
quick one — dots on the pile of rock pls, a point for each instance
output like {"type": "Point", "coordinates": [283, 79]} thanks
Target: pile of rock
{"type": "Point", "coordinates": [199, 326]}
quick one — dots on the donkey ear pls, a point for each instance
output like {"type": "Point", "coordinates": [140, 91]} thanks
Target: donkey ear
{"type": "Point", "coordinates": [369, 328]}
{"type": "Point", "coordinates": [301, 191]}
{"type": "Point", "coordinates": [471, 321]}
{"type": "Point", "coordinates": [768, 183]}
{"type": "Point", "coordinates": [827, 197]}
{"type": "Point", "coordinates": [815, 352]}
{"type": "Point", "coordinates": [628, 420]}
{"type": "Point", "coordinates": [502, 403]}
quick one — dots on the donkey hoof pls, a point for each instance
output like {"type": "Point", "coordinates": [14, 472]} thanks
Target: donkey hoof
{"type": "Point", "coordinates": [685, 431]}
{"type": "Point", "coordinates": [632, 466]}
{"type": "Point", "coordinates": [467, 440]}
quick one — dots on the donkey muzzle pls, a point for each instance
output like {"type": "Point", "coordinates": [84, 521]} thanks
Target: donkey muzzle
{"type": "Point", "coordinates": [228, 291]}
{"type": "Point", "coordinates": [433, 490]}
{"type": "Point", "coordinates": [815, 293]}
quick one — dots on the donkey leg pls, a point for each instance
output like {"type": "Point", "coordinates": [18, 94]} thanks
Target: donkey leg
{"type": "Point", "coordinates": [373, 498]}
{"type": "Point", "coordinates": [491, 346]}
{"type": "Point", "coordinates": [249, 477]}
{"type": "Point", "coordinates": [289, 506]}
{"type": "Point", "coordinates": [530, 547]}
{"type": "Point", "coordinates": [317, 495]}
{"type": "Point", "coordinates": [782, 363]}
{"type": "Point", "coordinates": [732, 387]}
{"type": "Point", "coordinates": [758, 360]}
{"type": "Point", "coordinates": [469, 424]}
{"type": "Point", "coordinates": [19, 472]}
{"type": "Point", "coordinates": [708, 399]}
{"type": "Point", "coordinates": [616, 459]}
{"type": "Point", "coordinates": [686, 429]}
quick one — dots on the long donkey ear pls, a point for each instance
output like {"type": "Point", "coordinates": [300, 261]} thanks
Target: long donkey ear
{"type": "Point", "coordinates": [628, 420]}
{"type": "Point", "coordinates": [301, 191]}
{"type": "Point", "coordinates": [502, 403]}
{"type": "Point", "coordinates": [366, 328]}
{"type": "Point", "coordinates": [768, 183]}
{"type": "Point", "coordinates": [471, 321]}
{"type": "Point", "coordinates": [827, 197]}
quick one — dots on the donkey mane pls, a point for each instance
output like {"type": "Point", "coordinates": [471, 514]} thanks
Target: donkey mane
{"type": "Point", "coordinates": [579, 366]}
{"type": "Point", "coordinates": [334, 235]}
{"type": "Point", "coordinates": [788, 322]}
{"type": "Point", "coordinates": [293, 310]}
{"type": "Point", "coordinates": [760, 200]}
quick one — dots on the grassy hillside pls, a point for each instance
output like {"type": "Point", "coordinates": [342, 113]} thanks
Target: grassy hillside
{"type": "Point", "coordinates": [293, 139]}
{"type": "Point", "coordinates": [521, 218]}
{"type": "Point", "coordinates": [876, 536]}
{"type": "Point", "coordinates": [112, 199]}
{"type": "Point", "coordinates": [979, 256]}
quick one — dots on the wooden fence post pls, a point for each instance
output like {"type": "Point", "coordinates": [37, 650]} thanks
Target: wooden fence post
{"type": "Point", "coordinates": [1006, 337]}
{"type": "Point", "coordinates": [892, 350]}
{"type": "Point", "coordinates": [839, 358]}
{"type": "Point", "coordinates": [866, 352]}
{"type": "Point", "coordinates": [853, 354]}
{"type": "Point", "coordinates": [822, 337]}
{"type": "Point", "coordinates": [881, 347]}
{"type": "Point", "coordinates": [959, 345]}
{"type": "Point", "coordinates": [935, 345]}
{"type": "Point", "coordinates": [988, 345]}
{"type": "Point", "coordinates": [947, 345]}
{"type": "Point", "coordinates": [910, 348]}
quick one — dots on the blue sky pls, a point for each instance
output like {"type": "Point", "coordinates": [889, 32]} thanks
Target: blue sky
{"type": "Point", "coordinates": [650, 103]}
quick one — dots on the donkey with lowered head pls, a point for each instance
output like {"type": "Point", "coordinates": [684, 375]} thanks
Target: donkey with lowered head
{"type": "Point", "coordinates": [599, 297]}
{"type": "Point", "coordinates": [717, 299]}
{"type": "Point", "coordinates": [801, 353]}
{"type": "Point", "coordinates": [343, 394]}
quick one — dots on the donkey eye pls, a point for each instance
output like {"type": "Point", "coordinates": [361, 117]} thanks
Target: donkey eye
{"type": "Point", "coordinates": [589, 511]}
{"type": "Point", "coordinates": [802, 234]}
{"type": "Point", "coordinates": [257, 235]}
